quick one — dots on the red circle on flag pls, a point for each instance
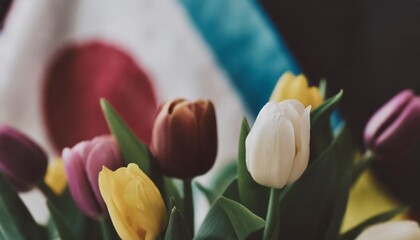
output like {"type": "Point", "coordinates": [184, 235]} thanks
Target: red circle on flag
{"type": "Point", "coordinates": [82, 74]}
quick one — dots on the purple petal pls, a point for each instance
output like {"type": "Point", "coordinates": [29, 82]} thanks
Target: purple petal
{"type": "Point", "coordinates": [402, 134]}
{"type": "Point", "coordinates": [385, 115]}
{"type": "Point", "coordinates": [21, 159]}
{"type": "Point", "coordinates": [78, 183]}
{"type": "Point", "coordinates": [103, 153]}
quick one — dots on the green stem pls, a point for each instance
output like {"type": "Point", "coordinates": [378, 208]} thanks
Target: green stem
{"type": "Point", "coordinates": [272, 213]}
{"type": "Point", "coordinates": [106, 234]}
{"type": "Point", "coordinates": [362, 165]}
{"type": "Point", "coordinates": [188, 205]}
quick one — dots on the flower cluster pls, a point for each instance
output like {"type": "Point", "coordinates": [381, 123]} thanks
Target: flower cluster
{"type": "Point", "coordinates": [132, 191]}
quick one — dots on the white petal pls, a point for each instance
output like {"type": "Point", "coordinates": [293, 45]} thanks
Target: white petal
{"type": "Point", "coordinates": [298, 106]}
{"type": "Point", "coordinates": [302, 146]}
{"type": "Point", "coordinates": [401, 230]}
{"type": "Point", "coordinates": [270, 149]}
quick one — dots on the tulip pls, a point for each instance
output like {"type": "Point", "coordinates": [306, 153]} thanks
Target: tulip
{"type": "Point", "coordinates": [134, 203]}
{"type": "Point", "coordinates": [394, 129]}
{"type": "Point", "coordinates": [56, 178]}
{"type": "Point", "coordinates": [401, 230]}
{"type": "Point", "coordinates": [22, 161]}
{"type": "Point", "coordinates": [184, 138]}
{"type": "Point", "coordinates": [83, 163]}
{"type": "Point", "coordinates": [277, 147]}
{"type": "Point", "coordinates": [290, 86]}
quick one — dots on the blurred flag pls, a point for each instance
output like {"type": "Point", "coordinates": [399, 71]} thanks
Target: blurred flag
{"type": "Point", "coordinates": [59, 57]}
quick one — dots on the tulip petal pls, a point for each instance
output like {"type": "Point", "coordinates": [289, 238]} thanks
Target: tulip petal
{"type": "Point", "coordinates": [316, 98]}
{"type": "Point", "coordinates": [402, 134]}
{"type": "Point", "coordinates": [152, 216]}
{"type": "Point", "coordinates": [207, 136]}
{"type": "Point", "coordinates": [404, 230]}
{"type": "Point", "coordinates": [299, 89]}
{"type": "Point", "coordinates": [281, 91]}
{"type": "Point", "coordinates": [16, 151]}
{"type": "Point", "coordinates": [184, 143]}
{"type": "Point", "coordinates": [302, 145]}
{"type": "Point", "coordinates": [134, 203]}
{"type": "Point", "coordinates": [104, 152]}
{"type": "Point", "coordinates": [112, 189]}
{"type": "Point", "coordinates": [79, 184]}
{"type": "Point", "coordinates": [270, 148]}
{"type": "Point", "coordinates": [385, 114]}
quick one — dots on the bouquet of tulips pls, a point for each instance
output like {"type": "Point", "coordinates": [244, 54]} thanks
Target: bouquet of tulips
{"type": "Point", "coordinates": [291, 179]}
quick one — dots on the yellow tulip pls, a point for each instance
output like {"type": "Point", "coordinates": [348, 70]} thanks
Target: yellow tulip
{"type": "Point", "coordinates": [134, 203]}
{"type": "Point", "coordinates": [290, 86]}
{"type": "Point", "coordinates": [56, 178]}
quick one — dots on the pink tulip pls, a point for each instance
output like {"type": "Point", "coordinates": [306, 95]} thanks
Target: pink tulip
{"type": "Point", "coordinates": [83, 163]}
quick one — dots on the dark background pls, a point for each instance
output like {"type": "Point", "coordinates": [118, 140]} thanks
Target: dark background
{"type": "Point", "coordinates": [370, 48]}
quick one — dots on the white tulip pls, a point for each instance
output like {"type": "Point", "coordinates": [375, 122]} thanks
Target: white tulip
{"type": "Point", "coordinates": [277, 147]}
{"type": "Point", "coordinates": [401, 230]}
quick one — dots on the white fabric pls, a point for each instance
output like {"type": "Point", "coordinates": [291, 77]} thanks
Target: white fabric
{"type": "Point", "coordinates": [157, 33]}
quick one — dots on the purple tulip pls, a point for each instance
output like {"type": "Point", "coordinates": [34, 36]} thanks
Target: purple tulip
{"type": "Point", "coordinates": [22, 161]}
{"type": "Point", "coordinates": [395, 128]}
{"type": "Point", "coordinates": [184, 138]}
{"type": "Point", "coordinates": [83, 163]}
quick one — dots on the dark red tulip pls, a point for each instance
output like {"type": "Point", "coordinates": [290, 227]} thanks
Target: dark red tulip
{"type": "Point", "coordinates": [184, 138]}
{"type": "Point", "coordinates": [22, 161]}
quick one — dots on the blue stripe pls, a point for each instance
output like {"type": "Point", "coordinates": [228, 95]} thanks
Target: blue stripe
{"type": "Point", "coordinates": [245, 44]}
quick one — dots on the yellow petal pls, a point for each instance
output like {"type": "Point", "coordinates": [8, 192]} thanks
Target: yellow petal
{"type": "Point", "coordinates": [366, 200]}
{"type": "Point", "coordinates": [56, 178]}
{"type": "Point", "coordinates": [280, 92]}
{"type": "Point", "coordinates": [296, 87]}
{"type": "Point", "coordinates": [134, 203]}
{"type": "Point", "coordinates": [316, 98]}
{"type": "Point", "coordinates": [299, 90]}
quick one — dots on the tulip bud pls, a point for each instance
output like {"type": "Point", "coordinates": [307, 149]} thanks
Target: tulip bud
{"type": "Point", "coordinates": [134, 203]}
{"type": "Point", "coordinates": [401, 230]}
{"type": "Point", "coordinates": [394, 129]}
{"type": "Point", "coordinates": [290, 86]}
{"type": "Point", "coordinates": [277, 147]}
{"type": "Point", "coordinates": [56, 178]}
{"type": "Point", "coordinates": [83, 163]}
{"type": "Point", "coordinates": [22, 161]}
{"type": "Point", "coordinates": [184, 138]}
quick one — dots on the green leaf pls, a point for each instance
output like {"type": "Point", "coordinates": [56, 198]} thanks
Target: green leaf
{"type": "Point", "coordinates": [324, 111]}
{"type": "Point", "coordinates": [382, 217]}
{"type": "Point", "coordinates": [228, 219]}
{"type": "Point", "coordinates": [247, 187]}
{"type": "Point", "coordinates": [210, 194]}
{"type": "Point", "coordinates": [224, 177]}
{"type": "Point", "coordinates": [65, 205]}
{"type": "Point", "coordinates": [317, 200]}
{"type": "Point", "coordinates": [16, 222]}
{"type": "Point", "coordinates": [321, 134]}
{"type": "Point", "coordinates": [63, 229]}
{"type": "Point", "coordinates": [171, 192]}
{"type": "Point", "coordinates": [232, 191]}
{"type": "Point", "coordinates": [132, 149]}
{"type": "Point", "coordinates": [177, 228]}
